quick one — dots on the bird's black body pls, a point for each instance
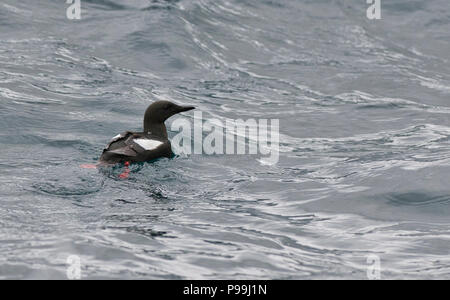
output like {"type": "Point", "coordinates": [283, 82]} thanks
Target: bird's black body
{"type": "Point", "coordinates": [148, 145]}
{"type": "Point", "coordinates": [124, 148]}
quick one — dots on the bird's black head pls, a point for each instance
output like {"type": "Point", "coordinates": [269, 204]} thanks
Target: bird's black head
{"type": "Point", "coordinates": [158, 112]}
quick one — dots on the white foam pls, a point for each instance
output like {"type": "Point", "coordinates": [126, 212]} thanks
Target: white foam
{"type": "Point", "coordinates": [148, 144]}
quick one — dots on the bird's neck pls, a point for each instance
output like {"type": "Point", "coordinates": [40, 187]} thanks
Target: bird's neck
{"type": "Point", "coordinates": [158, 129]}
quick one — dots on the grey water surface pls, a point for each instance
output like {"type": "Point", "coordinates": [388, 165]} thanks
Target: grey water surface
{"type": "Point", "coordinates": [364, 162]}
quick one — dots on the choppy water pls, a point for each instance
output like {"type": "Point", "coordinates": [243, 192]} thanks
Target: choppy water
{"type": "Point", "coordinates": [364, 122]}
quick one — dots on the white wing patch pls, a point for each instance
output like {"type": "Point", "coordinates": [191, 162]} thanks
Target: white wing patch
{"type": "Point", "coordinates": [117, 136]}
{"type": "Point", "coordinates": [148, 144]}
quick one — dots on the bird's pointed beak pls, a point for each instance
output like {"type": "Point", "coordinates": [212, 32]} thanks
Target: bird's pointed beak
{"type": "Point", "coordinates": [185, 108]}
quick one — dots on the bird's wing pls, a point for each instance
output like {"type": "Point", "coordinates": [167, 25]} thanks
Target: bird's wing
{"type": "Point", "coordinates": [146, 144]}
{"type": "Point", "coordinates": [118, 142]}
{"type": "Point", "coordinates": [126, 151]}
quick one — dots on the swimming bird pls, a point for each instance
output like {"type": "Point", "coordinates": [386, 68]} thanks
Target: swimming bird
{"type": "Point", "coordinates": [152, 143]}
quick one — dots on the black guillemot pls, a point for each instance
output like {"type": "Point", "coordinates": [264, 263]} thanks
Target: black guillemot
{"type": "Point", "coordinates": [152, 143]}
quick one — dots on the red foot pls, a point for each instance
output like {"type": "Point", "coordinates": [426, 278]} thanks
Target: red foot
{"type": "Point", "coordinates": [127, 171]}
{"type": "Point", "coordinates": [88, 166]}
